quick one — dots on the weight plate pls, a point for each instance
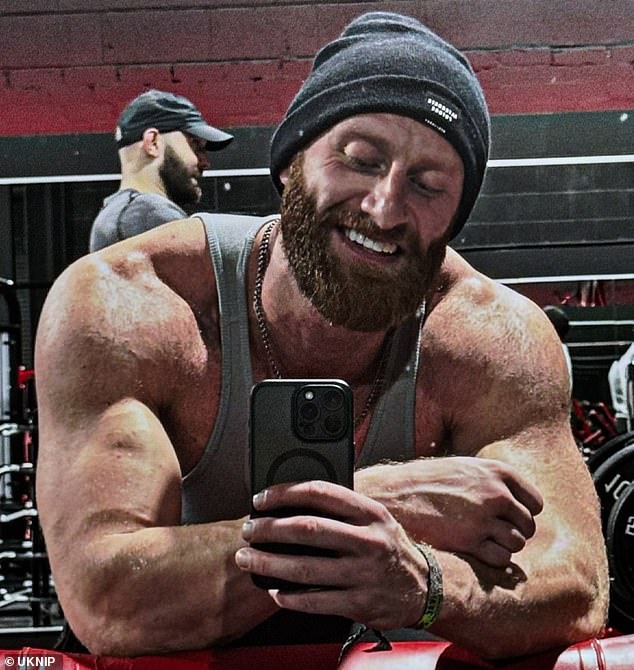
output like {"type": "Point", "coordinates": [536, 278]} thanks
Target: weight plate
{"type": "Point", "coordinates": [621, 613]}
{"type": "Point", "coordinates": [612, 478]}
{"type": "Point", "coordinates": [620, 544]}
{"type": "Point", "coordinates": [609, 449]}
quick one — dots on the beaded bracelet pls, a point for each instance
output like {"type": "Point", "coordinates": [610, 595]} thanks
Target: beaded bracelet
{"type": "Point", "coordinates": [434, 588]}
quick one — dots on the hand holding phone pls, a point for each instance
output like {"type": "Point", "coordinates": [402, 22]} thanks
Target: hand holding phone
{"type": "Point", "coordinates": [299, 430]}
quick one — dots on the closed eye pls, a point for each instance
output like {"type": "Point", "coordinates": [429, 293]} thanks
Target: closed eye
{"type": "Point", "coordinates": [422, 187]}
{"type": "Point", "coordinates": [362, 165]}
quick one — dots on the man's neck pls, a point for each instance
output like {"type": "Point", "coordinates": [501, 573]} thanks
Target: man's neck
{"type": "Point", "coordinates": [143, 184]}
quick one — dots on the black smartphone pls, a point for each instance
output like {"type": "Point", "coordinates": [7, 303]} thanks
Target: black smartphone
{"type": "Point", "coordinates": [299, 429]}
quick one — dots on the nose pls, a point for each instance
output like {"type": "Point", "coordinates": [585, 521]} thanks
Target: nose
{"type": "Point", "coordinates": [385, 201]}
{"type": "Point", "coordinates": [203, 160]}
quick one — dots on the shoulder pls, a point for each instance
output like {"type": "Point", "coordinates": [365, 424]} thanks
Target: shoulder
{"type": "Point", "coordinates": [490, 357]}
{"type": "Point", "coordinates": [136, 260]}
{"type": "Point", "coordinates": [473, 313]}
{"type": "Point", "coordinates": [132, 296]}
{"type": "Point", "coordinates": [159, 207]}
{"type": "Point", "coordinates": [127, 213]}
{"type": "Point", "coordinates": [155, 201]}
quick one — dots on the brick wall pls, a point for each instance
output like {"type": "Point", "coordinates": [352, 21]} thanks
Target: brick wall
{"type": "Point", "coordinates": [68, 66]}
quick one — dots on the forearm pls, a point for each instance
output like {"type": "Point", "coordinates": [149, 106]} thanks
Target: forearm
{"type": "Point", "coordinates": [498, 614]}
{"type": "Point", "coordinates": [160, 590]}
{"type": "Point", "coordinates": [406, 490]}
{"type": "Point", "coordinates": [426, 494]}
{"type": "Point", "coordinates": [557, 580]}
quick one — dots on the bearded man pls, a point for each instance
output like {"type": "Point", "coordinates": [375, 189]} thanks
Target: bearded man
{"type": "Point", "coordinates": [163, 142]}
{"type": "Point", "coordinates": [460, 521]}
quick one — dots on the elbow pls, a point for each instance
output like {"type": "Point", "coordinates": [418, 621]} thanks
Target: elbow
{"type": "Point", "coordinates": [593, 604]}
{"type": "Point", "coordinates": [99, 638]}
{"type": "Point", "coordinates": [123, 620]}
{"type": "Point", "coordinates": [575, 617]}
{"type": "Point", "coordinates": [105, 615]}
{"type": "Point", "coordinates": [100, 631]}
{"type": "Point", "coordinates": [119, 635]}
{"type": "Point", "coordinates": [593, 622]}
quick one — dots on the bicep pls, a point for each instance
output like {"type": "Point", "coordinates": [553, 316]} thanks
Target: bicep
{"type": "Point", "coordinates": [512, 385]}
{"type": "Point", "coordinates": [104, 457]}
{"type": "Point", "coordinates": [117, 472]}
{"type": "Point", "coordinates": [522, 417]}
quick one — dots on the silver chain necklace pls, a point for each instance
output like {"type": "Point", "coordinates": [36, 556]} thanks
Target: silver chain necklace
{"type": "Point", "coordinates": [379, 379]}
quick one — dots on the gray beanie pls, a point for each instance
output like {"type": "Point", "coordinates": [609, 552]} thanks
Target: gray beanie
{"type": "Point", "coordinates": [385, 62]}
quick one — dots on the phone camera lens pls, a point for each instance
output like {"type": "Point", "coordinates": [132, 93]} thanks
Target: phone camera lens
{"type": "Point", "coordinates": [333, 424]}
{"type": "Point", "coordinates": [308, 429]}
{"type": "Point", "coordinates": [333, 400]}
{"type": "Point", "coordinates": [309, 411]}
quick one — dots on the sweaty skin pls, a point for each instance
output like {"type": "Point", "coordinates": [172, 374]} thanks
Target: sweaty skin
{"type": "Point", "coordinates": [128, 372]}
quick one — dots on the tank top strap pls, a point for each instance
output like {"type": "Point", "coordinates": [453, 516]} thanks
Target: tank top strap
{"type": "Point", "coordinates": [230, 240]}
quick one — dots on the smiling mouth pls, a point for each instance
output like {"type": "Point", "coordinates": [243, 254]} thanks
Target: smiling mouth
{"type": "Point", "coordinates": [386, 248]}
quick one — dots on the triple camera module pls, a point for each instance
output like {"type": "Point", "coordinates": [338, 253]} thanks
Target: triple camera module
{"type": "Point", "coordinates": [320, 412]}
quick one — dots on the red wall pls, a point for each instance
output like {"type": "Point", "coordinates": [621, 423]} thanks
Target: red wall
{"type": "Point", "coordinates": [71, 65]}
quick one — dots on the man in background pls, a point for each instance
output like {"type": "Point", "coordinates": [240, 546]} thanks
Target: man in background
{"type": "Point", "coordinates": [163, 142]}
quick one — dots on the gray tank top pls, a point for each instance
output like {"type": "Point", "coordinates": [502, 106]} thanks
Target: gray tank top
{"type": "Point", "coordinates": [217, 487]}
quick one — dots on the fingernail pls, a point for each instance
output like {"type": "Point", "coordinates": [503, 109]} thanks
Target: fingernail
{"type": "Point", "coordinates": [242, 558]}
{"type": "Point", "coordinates": [258, 499]}
{"type": "Point", "coordinates": [247, 530]}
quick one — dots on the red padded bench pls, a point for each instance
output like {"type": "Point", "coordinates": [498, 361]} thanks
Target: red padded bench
{"type": "Point", "coordinates": [613, 653]}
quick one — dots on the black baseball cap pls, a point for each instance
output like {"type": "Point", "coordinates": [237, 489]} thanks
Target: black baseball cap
{"type": "Point", "coordinates": [166, 112]}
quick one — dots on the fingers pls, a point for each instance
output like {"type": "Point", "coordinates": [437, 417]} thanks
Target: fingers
{"type": "Point", "coordinates": [501, 543]}
{"type": "Point", "coordinates": [525, 493]}
{"type": "Point", "coordinates": [311, 531]}
{"type": "Point", "coordinates": [306, 531]}
{"type": "Point", "coordinates": [325, 552]}
{"type": "Point", "coordinates": [524, 503]}
{"type": "Point", "coordinates": [508, 537]}
{"type": "Point", "coordinates": [501, 524]}
{"type": "Point", "coordinates": [505, 535]}
{"type": "Point", "coordinates": [328, 499]}
{"type": "Point", "coordinates": [514, 514]}
{"type": "Point", "coordinates": [493, 554]}
{"type": "Point", "coordinates": [313, 571]}
{"type": "Point", "coordinates": [381, 584]}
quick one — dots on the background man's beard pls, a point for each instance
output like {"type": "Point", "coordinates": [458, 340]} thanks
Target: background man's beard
{"type": "Point", "coordinates": [177, 180]}
{"type": "Point", "coordinates": [358, 297]}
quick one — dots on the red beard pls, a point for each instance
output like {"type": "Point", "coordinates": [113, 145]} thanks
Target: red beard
{"type": "Point", "coordinates": [356, 297]}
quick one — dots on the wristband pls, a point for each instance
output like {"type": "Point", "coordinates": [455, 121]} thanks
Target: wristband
{"type": "Point", "coordinates": [434, 588]}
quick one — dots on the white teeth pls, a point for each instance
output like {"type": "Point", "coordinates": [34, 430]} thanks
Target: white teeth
{"type": "Point", "coordinates": [379, 247]}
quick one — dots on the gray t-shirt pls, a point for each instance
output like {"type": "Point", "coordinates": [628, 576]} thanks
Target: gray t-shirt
{"type": "Point", "coordinates": [129, 212]}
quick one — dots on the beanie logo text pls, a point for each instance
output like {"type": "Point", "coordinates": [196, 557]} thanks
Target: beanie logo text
{"type": "Point", "coordinates": [442, 110]}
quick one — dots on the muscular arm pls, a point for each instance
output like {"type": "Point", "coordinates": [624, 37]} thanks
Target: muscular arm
{"type": "Point", "coordinates": [516, 413]}
{"type": "Point", "coordinates": [506, 408]}
{"type": "Point", "coordinates": [130, 579]}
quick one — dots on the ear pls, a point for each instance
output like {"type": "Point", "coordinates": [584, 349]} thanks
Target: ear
{"type": "Point", "coordinates": [150, 142]}
{"type": "Point", "coordinates": [284, 176]}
